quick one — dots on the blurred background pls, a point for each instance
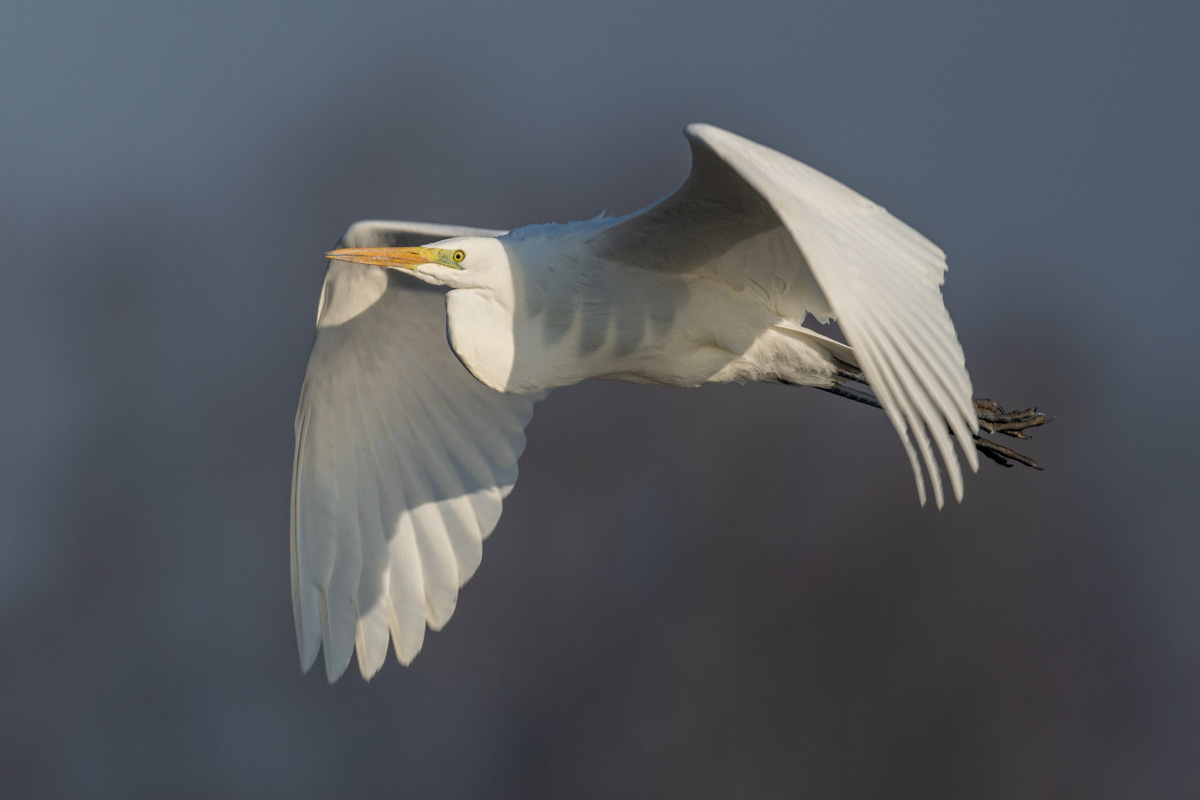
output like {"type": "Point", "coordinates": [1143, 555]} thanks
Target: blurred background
{"type": "Point", "coordinates": [724, 592]}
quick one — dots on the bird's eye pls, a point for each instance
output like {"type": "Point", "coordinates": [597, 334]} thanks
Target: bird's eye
{"type": "Point", "coordinates": [458, 256]}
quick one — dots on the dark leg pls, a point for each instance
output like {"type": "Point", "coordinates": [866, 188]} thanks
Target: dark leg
{"type": "Point", "coordinates": [992, 418]}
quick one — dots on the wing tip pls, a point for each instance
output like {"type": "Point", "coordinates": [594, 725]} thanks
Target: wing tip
{"type": "Point", "coordinates": [706, 132]}
{"type": "Point", "coordinates": [309, 642]}
{"type": "Point", "coordinates": [406, 659]}
{"type": "Point", "coordinates": [308, 658]}
{"type": "Point", "coordinates": [405, 649]}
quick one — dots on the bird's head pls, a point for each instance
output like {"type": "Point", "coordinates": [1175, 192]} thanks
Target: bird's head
{"type": "Point", "coordinates": [464, 262]}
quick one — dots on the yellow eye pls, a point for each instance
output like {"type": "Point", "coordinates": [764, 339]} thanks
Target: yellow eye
{"type": "Point", "coordinates": [458, 256]}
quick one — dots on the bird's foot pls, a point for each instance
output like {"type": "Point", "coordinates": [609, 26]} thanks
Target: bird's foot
{"type": "Point", "coordinates": [994, 419]}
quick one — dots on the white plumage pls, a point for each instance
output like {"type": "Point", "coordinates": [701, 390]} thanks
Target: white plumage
{"type": "Point", "coordinates": [417, 392]}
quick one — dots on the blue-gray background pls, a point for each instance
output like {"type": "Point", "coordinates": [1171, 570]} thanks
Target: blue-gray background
{"type": "Point", "coordinates": [726, 592]}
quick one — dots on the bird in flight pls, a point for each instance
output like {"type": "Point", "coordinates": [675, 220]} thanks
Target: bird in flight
{"type": "Point", "coordinates": [434, 343]}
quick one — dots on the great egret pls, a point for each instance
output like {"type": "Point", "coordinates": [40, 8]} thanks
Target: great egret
{"type": "Point", "coordinates": [429, 358]}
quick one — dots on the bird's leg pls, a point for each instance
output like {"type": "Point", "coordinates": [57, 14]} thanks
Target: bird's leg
{"type": "Point", "coordinates": [992, 418]}
{"type": "Point", "coordinates": [858, 395]}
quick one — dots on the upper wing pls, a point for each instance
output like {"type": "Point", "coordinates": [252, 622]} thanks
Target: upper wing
{"type": "Point", "coordinates": [402, 460]}
{"type": "Point", "coordinates": [770, 226]}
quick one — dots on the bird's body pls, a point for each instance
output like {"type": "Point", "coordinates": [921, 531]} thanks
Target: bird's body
{"type": "Point", "coordinates": [562, 314]}
{"type": "Point", "coordinates": [416, 397]}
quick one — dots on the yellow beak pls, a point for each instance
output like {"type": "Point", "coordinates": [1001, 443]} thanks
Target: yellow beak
{"type": "Point", "coordinates": [404, 257]}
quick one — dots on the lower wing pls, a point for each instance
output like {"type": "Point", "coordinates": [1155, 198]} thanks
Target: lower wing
{"type": "Point", "coordinates": [402, 461]}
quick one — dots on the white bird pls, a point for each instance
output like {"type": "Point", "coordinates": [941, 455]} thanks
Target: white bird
{"type": "Point", "coordinates": [429, 358]}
